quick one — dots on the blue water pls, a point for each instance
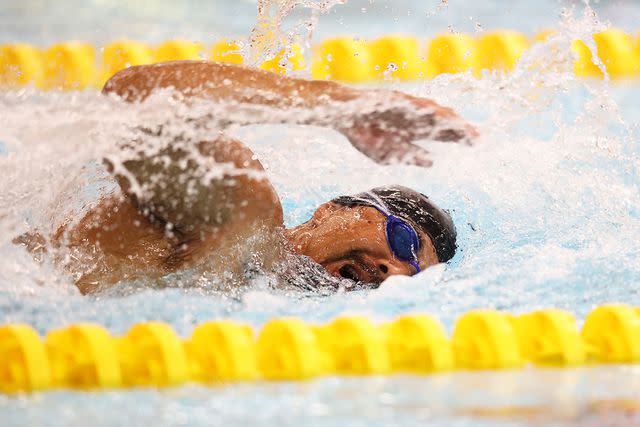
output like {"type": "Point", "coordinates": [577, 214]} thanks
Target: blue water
{"type": "Point", "coordinates": [547, 206]}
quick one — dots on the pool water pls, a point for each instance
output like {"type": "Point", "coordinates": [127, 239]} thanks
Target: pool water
{"type": "Point", "coordinates": [547, 206]}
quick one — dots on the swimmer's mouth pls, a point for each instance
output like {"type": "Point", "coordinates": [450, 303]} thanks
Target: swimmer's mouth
{"type": "Point", "coordinates": [355, 267]}
{"type": "Point", "coordinates": [348, 271]}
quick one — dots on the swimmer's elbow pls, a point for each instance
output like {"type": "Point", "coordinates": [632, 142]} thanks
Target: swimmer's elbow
{"type": "Point", "coordinates": [129, 84]}
{"type": "Point", "coordinates": [114, 83]}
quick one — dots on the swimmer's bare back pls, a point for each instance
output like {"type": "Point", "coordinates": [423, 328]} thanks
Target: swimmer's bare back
{"type": "Point", "coordinates": [169, 217]}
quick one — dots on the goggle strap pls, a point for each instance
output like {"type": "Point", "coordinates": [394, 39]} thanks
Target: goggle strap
{"type": "Point", "coordinates": [380, 205]}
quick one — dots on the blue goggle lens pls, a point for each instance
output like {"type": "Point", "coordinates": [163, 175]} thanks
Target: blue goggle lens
{"type": "Point", "coordinates": [403, 240]}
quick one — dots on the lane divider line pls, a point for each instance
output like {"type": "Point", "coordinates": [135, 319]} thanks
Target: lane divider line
{"type": "Point", "coordinates": [74, 65]}
{"type": "Point", "coordinates": [85, 356]}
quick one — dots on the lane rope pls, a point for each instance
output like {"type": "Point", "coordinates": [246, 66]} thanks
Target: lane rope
{"type": "Point", "coordinates": [85, 356]}
{"type": "Point", "coordinates": [75, 65]}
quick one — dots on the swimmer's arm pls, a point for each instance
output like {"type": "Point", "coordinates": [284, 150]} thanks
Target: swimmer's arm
{"type": "Point", "coordinates": [195, 185]}
{"type": "Point", "coordinates": [224, 82]}
{"type": "Point", "coordinates": [380, 123]}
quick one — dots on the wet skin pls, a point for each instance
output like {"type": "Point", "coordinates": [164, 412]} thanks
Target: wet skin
{"type": "Point", "coordinates": [213, 227]}
{"type": "Point", "coordinates": [351, 242]}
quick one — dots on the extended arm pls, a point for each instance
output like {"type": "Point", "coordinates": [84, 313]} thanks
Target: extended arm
{"type": "Point", "coordinates": [380, 123]}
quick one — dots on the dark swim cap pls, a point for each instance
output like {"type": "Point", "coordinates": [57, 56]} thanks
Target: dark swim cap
{"type": "Point", "coordinates": [416, 208]}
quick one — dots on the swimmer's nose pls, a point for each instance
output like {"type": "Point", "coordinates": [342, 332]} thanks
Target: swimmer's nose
{"type": "Point", "coordinates": [387, 268]}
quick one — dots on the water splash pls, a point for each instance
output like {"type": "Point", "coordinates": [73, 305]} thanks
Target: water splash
{"type": "Point", "coordinates": [547, 207]}
{"type": "Point", "coordinates": [547, 203]}
{"type": "Point", "coordinates": [270, 35]}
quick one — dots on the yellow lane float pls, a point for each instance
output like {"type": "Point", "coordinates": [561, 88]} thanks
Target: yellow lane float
{"type": "Point", "coordinates": [397, 57]}
{"type": "Point", "coordinates": [344, 59]}
{"type": "Point", "coordinates": [613, 332]}
{"type": "Point", "coordinates": [24, 365]}
{"type": "Point", "coordinates": [287, 349]}
{"type": "Point", "coordinates": [549, 338]}
{"type": "Point", "coordinates": [450, 54]}
{"type": "Point", "coordinates": [123, 54]}
{"type": "Point", "coordinates": [355, 346]}
{"type": "Point", "coordinates": [178, 50]}
{"type": "Point", "coordinates": [222, 351]}
{"type": "Point", "coordinates": [74, 66]}
{"type": "Point", "coordinates": [616, 52]}
{"type": "Point", "coordinates": [20, 64]}
{"type": "Point", "coordinates": [69, 66]}
{"type": "Point", "coordinates": [486, 339]}
{"type": "Point", "coordinates": [418, 344]}
{"type": "Point", "coordinates": [86, 357]}
{"type": "Point", "coordinates": [151, 354]}
{"type": "Point", "coordinates": [226, 51]}
{"type": "Point", "coordinates": [83, 356]}
{"type": "Point", "coordinates": [287, 60]}
{"type": "Point", "coordinates": [500, 50]}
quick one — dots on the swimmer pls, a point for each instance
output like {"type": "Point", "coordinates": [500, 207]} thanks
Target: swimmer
{"type": "Point", "coordinates": [207, 206]}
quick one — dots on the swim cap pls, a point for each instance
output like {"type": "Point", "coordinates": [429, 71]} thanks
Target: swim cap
{"type": "Point", "coordinates": [416, 208]}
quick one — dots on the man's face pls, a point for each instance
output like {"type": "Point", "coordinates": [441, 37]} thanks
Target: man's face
{"type": "Point", "coordinates": [351, 242]}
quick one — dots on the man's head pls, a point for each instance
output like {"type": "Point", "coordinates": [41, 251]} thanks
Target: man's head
{"type": "Point", "coordinates": [369, 236]}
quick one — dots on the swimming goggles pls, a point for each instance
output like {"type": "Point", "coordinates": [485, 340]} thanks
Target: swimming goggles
{"type": "Point", "coordinates": [402, 239]}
